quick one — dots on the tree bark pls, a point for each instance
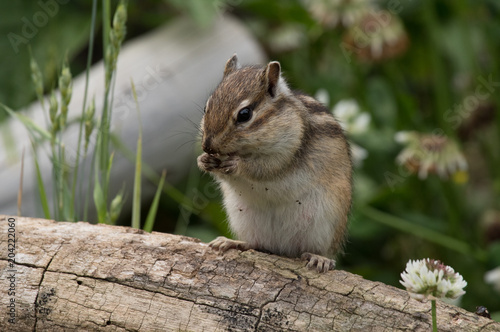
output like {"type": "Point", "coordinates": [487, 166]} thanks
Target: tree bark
{"type": "Point", "coordinates": [79, 276]}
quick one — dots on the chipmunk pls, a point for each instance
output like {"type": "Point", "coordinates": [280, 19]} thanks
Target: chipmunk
{"type": "Point", "coordinates": [283, 164]}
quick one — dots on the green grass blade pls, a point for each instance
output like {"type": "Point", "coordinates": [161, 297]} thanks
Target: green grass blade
{"type": "Point", "coordinates": [89, 54]}
{"type": "Point", "coordinates": [9, 140]}
{"type": "Point", "coordinates": [110, 164]}
{"type": "Point", "coordinates": [20, 191]}
{"type": "Point", "coordinates": [106, 23]}
{"type": "Point", "coordinates": [41, 187]}
{"type": "Point", "coordinates": [136, 203]}
{"type": "Point", "coordinates": [100, 203]}
{"type": "Point", "coordinates": [106, 194]}
{"type": "Point", "coordinates": [150, 220]}
{"type": "Point", "coordinates": [28, 123]}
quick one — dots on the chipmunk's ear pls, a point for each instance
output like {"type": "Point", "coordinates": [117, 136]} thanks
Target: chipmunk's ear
{"type": "Point", "coordinates": [275, 83]}
{"type": "Point", "coordinates": [231, 65]}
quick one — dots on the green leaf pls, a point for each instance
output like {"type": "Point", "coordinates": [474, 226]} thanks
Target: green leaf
{"type": "Point", "coordinates": [150, 220]}
{"type": "Point", "coordinates": [136, 203]}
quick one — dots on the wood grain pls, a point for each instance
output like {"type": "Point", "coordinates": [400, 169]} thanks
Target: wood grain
{"type": "Point", "coordinates": [78, 276]}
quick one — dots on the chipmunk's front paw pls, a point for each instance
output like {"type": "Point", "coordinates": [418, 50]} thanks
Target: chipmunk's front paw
{"type": "Point", "coordinates": [318, 262]}
{"type": "Point", "coordinates": [229, 165]}
{"type": "Point", "coordinates": [208, 162]}
{"type": "Point", "coordinates": [223, 244]}
{"type": "Point", "coordinates": [225, 164]}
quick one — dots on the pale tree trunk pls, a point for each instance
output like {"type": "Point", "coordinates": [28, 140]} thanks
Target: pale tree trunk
{"type": "Point", "coordinates": [78, 276]}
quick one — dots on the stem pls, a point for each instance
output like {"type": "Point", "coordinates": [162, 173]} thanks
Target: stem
{"type": "Point", "coordinates": [60, 175]}
{"type": "Point", "coordinates": [106, 26]}
{"type": "Point", "coordinates": [434, 316]}
{"type": "Point", "coordinates": [103, 142]}
{"type": "Point", "coordinates": [64, 180]}
{"type": "Point", "coordinates": [90, 176]}
{"type": "Point", "coordinates": [55, 177]}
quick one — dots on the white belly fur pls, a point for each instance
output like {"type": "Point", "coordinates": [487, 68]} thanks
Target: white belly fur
{"type": "Point", "coordinates": [286, 217]}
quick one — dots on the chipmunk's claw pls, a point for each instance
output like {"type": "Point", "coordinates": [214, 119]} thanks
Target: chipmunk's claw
{"type": "Point", "coordinates": [223, 244]}
{"type": "Point", "coordinates": [320, 263]}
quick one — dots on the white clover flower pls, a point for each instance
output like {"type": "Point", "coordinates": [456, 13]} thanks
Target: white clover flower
{"type": "Point", "coordinates": [426, 154]}
{"type": "Point", "coordinates": [493, 277]}
{"type": "Point", "coordinates": [431, 279]}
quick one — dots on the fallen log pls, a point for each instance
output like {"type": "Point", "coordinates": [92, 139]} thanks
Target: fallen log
{"type": "Point", "coordinates": [79, 276]}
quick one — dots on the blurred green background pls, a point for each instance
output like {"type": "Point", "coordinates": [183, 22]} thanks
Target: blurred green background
{"type": "Point", "coordinates": [419, 87]}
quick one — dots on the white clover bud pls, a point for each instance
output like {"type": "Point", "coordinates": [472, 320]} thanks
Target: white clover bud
{"type": "Point", "coordinates": [345, 110]}
{"type": "Point", "coordinates": [116, 207]}
{"type": "Point", "coordinates": [323, 97]}
{"type": "Point", "coordinates": [361, 123]}
{"type": "Point", "coordinates": [403, 137]}
{"type": "Point", "coordinates": [358, 154]}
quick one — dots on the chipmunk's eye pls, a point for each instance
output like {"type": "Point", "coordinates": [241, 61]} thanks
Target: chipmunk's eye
{"type": "Point", "coordinates": [244, 115]}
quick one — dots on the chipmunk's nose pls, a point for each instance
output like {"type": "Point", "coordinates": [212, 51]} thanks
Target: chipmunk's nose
{"type": "Point", "coordinates": [207, 146]}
